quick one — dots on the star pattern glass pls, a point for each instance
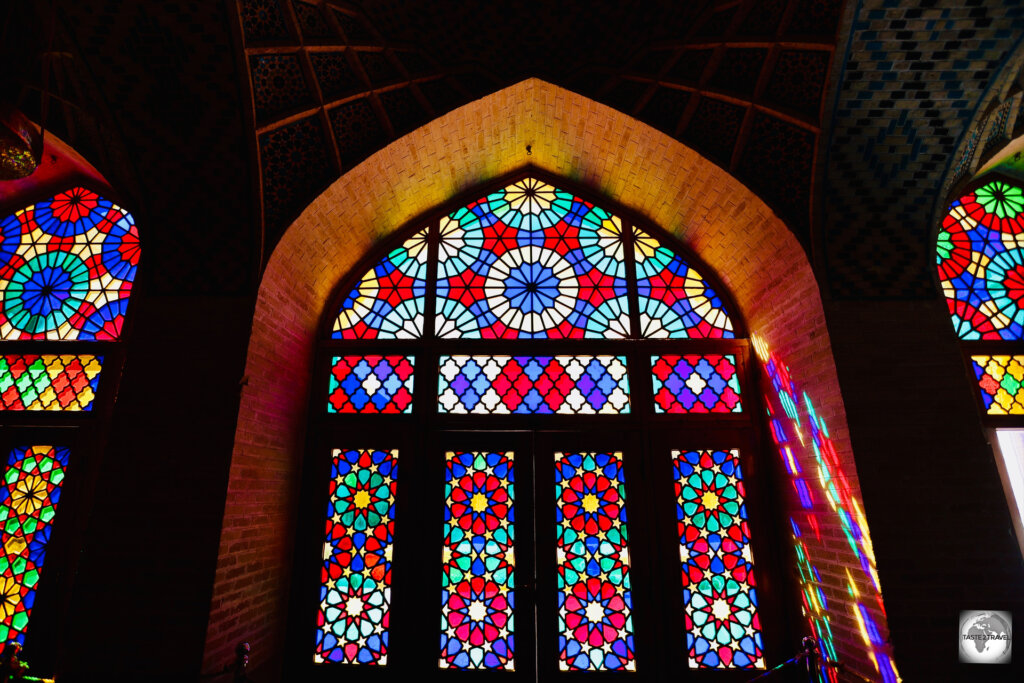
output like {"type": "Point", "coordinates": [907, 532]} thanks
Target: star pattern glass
{"type": "Point", "coordinates": [355, 591]}
{"type": "Point", "coordinates": [28, 503]}
{"type": "Point", "coordinates": [478, 562]}
{"type": "Point", "coordinates": [696, 384]}
{"type": "Point", "coordinates": [572, 385]}
{"type": "Point", "coordinates": [531, 261]}
{"type": "Point", "coordinates": [49, 381]}
{"type": "Point", "coordinates": [1001, 381]}
{"type": "Point", "coordinates": [980, 259]}
{"type": "Point", "coordinates": [389, 299]}
{"type": "Point", "coordinates": [722, 626]}
{"type": "Point", "coordinates": [66, 268]}
{"type": "Point", "coordinates": [595, 598]}
{"type": "Point", "coordinates": [675, 300]}
{"type": "Point", "coordinates": [371, 384]}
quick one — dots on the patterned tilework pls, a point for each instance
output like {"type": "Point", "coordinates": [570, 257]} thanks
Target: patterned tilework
{"type": "Point", "coordinates": [49, 382]}
{"type": "Point", "coordinates": [1001, 381]}
{"type": "Point", "coordinates": [914, 78]}
{"type": "Point", "coordinates": [278, 85]}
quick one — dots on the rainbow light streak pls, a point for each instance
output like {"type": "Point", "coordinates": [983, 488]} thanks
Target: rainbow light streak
{"type": "Point", "coordinates": [832, 483]}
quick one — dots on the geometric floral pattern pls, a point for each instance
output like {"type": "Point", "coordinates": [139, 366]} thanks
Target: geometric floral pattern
{"type": "Point", "coordinates": [66, 268]}
{"type": "Point", "coordinates": [696, 384]}
{"type": "Point", "coordinates": [355, 591]}
{"type": "Point", "coordinates": [388, 301]}
{"type": "Point", "coordinates": [531, 261]}
{"type": "Point", "coordinates": [980, 259]}
{"type": "Point", "coordinates": [595, 627]}
{"type": "Point", "coordinates": [371, 384]}
{"type": "Point", "coordinates": [573, 385]}
{"type": "Point", "coordinates": [478, 561]}
{"type": "Point", "coordinates": [675, 300]}
{"type": "Point", "coordinates": [722, 626]}
{"type": "Point", "coordinates": [28, 502]}
{"type": "Point", "coordinates": [48, 382]}
{"type": "Point", "coordinates": [1001, 380]}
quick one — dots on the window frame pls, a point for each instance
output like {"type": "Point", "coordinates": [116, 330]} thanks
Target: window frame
{"type": "Point", "coordinates": [409, 432]}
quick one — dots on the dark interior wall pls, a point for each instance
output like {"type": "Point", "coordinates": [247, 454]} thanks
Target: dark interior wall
{"type": "Point", "coordinates": [933, 498]}
{"type": "Point", "coordinates": [142, 593]}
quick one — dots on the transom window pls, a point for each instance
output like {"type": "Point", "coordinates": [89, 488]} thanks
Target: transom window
{"type": "Point", "coordinates": [531, 428]}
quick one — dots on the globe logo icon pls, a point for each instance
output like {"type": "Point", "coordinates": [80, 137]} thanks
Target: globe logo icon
{"type": "Point", "coordinates": [985, 637]}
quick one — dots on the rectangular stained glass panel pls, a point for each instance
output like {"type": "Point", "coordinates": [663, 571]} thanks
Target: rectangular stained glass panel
{"type": "Point", "coordinates": [523, 385]}
{"type": "Point", "coordinates": [371, 384]}
{"type": "Point", "coordinates": [722, 627]}
{"type": "Point", "coordinates": [48, 381]}
{"type": "Point", "coordinates": [531, 261]}
{"type": "Point", "coordinates": [696, 384]}
{"type": "Point", "coordinates": [28, 504]}
{"type": "Point", "coordinates": [595, 600]}
{"type": "Point", "coordinates": [478, 561]}
{"type": "Point", "coordinates": [355, 591]}
{"type": "Point", "coordinates": [1001, 381]}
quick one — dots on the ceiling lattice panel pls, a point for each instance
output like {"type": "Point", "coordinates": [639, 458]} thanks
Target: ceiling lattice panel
{"type": "Point", "coordinates": [741, 82]}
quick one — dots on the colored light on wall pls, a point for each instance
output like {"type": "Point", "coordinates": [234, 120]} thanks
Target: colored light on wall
{"type": "Point", "coordinates": [66, 268]}
{"type": "Point", "coordinates": [1001, 382]}
{"type": "Point", "coordinates": [355, 591]}
{"type": "Point", "coordinates": [478, 560]}
{"type": "Point", "coordinates": [696, 384]}
{"type": "Point", "coordinates": [594, 592]}
{"type": "Point", "coordinates": [30, 494]}
{"type": "Point", "coordinates": [49, 381]}
{"type": "Point", "coordinates": [371, 384]}
{"type": "Point", "coordinates": [522, 385]}
{"type": "Point", "coordinates": [722, 625]}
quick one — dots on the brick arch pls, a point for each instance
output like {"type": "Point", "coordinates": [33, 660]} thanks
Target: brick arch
{"type": "Point", "coordinates": [723, 222]}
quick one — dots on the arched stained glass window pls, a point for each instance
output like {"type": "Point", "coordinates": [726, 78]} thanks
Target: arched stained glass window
{"type": "Point", "coordinates": [67, 264]}
{"type": "Point", "coordinates": [566, 392]}
{"type": "Point", "coordinates": [980, 262]}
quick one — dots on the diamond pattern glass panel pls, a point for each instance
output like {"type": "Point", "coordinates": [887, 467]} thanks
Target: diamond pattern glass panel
{"type": "Point", "coordinates": [371, 384]}
{"type": "Point", "coordinates": [675, 300]}
{"type": "Point", "coordinates": [566, 385]}
{"type": "Point", "coordinates": [388, 301]}
{"type": "Point", "coordinates": [722, 626]}
{"type": "Point", "coordinates": [696, 384]}
{"type": "Point", "coordinates": [355, 591]}
{"type": "Point", "coordinates": [1001, 381]}
{"type": "Point", "coordinates": [66, 268]}
{"type": "Point", "coordinates": [531, 261]}
{"type": "Point", "coordinates": [595, 599]}
{"type": "Point", "coordinates": [28, 503]}
{"type": "Point", "coordinates": [48, 381]}
{"type": "Point", "coordinates": [478, 560]}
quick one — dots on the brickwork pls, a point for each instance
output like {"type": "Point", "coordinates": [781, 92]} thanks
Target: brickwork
{"type": "Point", "coordinates": [711, 213]}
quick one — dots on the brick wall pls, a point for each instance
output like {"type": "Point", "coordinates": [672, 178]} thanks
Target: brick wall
{"type": "Point", "coordinates": [711, 213]}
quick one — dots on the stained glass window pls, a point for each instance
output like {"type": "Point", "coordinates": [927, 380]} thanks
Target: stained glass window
{"type": "Point", "coordinates": [981, 262]}
{"type": "Point", "coordinates": [696, 384]}
{"type": "Point", "coordinates": [355, 592]}
{"type": "Point", "coordinates": [675, 300]}
{"type": "Point", "coordinates": [28, 503]}
{"type": "Point", "coordinates": [531, 261]}
{"type": "Point", "coordinates": [371, 384]}
{"type": "Point", "coordinates": [595, 599]}
{"type": "Point", "coordinates": [573, 385]}
{"type": "Point", "coordinates": [388, 301]}
{"type": "Point", "coordinates": [1001, 380]}
{"type": "Point", "coordinates": [478, 560]}
{"type": "Point", "coordinates": [723, 629]}
{"type": "Point", "coordinates": [48, 381]}
{"type": "Point", "coordinates": [66, 268]}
